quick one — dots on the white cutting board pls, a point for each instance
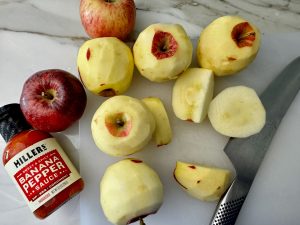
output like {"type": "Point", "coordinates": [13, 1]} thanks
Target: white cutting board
{"type": "Point", "coordinates": [275, 193]}
{"type": "Point", "coordinates": [274, 190]}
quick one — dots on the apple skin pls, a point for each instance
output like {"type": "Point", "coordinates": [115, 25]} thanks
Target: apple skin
{"type": "Point", "coordinates": [108, 18]}
{"type": "Point", "coordinates": [52, 100]}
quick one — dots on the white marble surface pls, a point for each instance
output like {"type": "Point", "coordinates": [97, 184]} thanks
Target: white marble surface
{"type": "Point", "coordinates": [40, 34]}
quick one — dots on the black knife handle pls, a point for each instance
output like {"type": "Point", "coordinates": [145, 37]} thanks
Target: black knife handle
{"type": "Point", "coordinates": [229, 206]}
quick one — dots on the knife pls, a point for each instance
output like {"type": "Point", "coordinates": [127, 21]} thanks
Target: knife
{"type": "Point", "coordinates": [247, 154]}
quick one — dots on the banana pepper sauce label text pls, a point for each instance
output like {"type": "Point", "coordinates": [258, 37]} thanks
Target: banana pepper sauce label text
{"type": "Point", "coordinates": [41, 171]}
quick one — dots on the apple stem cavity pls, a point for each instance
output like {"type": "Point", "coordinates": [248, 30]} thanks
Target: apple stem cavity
{"type": "Point", "coordinates": [164, 45]}
{"type": "Point", "coordinates": [48, 95]}
{"type": "Point", "coordinates": [243, 35]}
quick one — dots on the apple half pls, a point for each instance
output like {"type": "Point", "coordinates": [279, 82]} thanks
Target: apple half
{"type": "Point", "coordinates": [163, 131]}
{"type": "Point", "coordinates": [201, 182]}
{"type": "Point", "coordinates": [228, 45]}
{"type": "Point", "coordinates": [105, 66]}
{"type": "Point", "coordinates": [237, 112]}
{"type": "Point", "coordinates": [129, 191]}
{"type": "Point", "coordinates": [162, 52]}
{"type": "Point", "coordinates": [192, 93]}
{"type": "Point", "coordinates": [122, 125]}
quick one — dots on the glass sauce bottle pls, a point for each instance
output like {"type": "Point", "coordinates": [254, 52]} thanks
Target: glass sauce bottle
{"type": "Point", "coordinates": [36, 163]}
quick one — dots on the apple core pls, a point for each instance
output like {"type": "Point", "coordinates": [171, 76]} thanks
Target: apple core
{"type": "Point", "coordinates": [243, 35]}
{"type": "Point", "coordinates": [164, 45]}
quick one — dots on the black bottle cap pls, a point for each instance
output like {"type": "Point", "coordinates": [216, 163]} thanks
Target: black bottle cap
{"type": "Point", "coordinates": [12, 121]}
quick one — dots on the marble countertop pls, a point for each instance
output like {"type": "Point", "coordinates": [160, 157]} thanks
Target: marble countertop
{"type": "Point", "coordinates": [47, 25]}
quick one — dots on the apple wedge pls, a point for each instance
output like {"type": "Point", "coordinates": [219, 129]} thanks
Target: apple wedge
{"type": "Point", "coordinates": [204, 183]}
{"type": "Point", "coordinates": [163, 131]}
{"type": "Point", "coordinates": [192, 93]}
{"type": "Point", "coordinates": [129, 191]}
{"type": "Point", "coordinates": [237, 112]}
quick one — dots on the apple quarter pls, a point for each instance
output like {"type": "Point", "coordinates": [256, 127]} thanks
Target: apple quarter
{"type": "Point", "coordinates": [122, 125]}
{"type": "Point", "coordinates": [192, 93]}
{"type": "Point", "coordinates": [162, 52]}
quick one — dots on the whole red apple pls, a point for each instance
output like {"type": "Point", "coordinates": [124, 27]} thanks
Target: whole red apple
{"type": "Point", "coordinates": [52, 100]}
{"type": "Point", "coordinates": [108, 18]}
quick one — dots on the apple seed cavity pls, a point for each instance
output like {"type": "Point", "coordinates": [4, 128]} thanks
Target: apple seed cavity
{"type": "Point", "coordinates": [164, 45]}
{"type": "Point", "coordinates": [243, 35]}
{"type": "Point", "coordinates": [118, 125]}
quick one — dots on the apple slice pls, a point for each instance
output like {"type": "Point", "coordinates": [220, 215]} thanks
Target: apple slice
{"type": "Point", "coordinates": [204, 183]}
{"type": "Point", "coordinates": [237, 112]}
{"type": "Point", "coordinates": [192, 93]}
{"type": "Point", "coordinates": [122, 125]}
{"type": "Point", "coordinates": [129, 191]}
{"type": "Point", "coordinates": [163, 131]}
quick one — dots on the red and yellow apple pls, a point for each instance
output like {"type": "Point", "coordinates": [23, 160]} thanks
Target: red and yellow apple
{"type": "Point", "coordinates": [52, 100]}
{"type": "Point", "coordinates": [108, 18]}
{"type": "Point", "coordinates": [122, 125]}
{"type": "Point", "coordinates": [228, 45]}
{"type": "Point", "coordinates": [162, 52]}
{"type": "Point", "coordinates": [105, 66]}
{"type": "Point", "coordinates": [129, 191]}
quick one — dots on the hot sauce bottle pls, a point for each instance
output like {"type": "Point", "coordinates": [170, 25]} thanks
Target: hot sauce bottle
{"type": "Point", "coordinates": [37, 164]}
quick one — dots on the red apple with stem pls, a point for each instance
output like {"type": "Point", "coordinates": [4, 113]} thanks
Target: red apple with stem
{"type": "Point", "coordinates": [108, 18]}
{"type": "Point", "coordinates": [52, 100]}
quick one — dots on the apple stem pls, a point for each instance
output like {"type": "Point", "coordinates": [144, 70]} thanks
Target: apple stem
{"type": "Point", "coordinates": [142, 221]}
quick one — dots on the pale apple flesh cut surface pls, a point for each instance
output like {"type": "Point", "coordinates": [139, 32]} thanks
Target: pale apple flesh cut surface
{"type": "Point", "coordinates": [202, 182]}
{"type": "Point", "coordinates": [122, 125]}
{"type": "Point", "coordinates": [192, 93]}
{"type": "Point", "coordinates": [129, 191]}
{"type": "Point", "coordinates": [237, 112]}
{"type": "Point", "coordinates": [163, 131]}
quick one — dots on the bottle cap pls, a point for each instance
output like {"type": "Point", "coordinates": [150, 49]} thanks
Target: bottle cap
{"type": "Point", "coordinates": [12, 121]}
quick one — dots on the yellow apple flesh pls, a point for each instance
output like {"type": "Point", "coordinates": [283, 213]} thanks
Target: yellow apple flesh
{"type": "Point", "coordinates": [228, 45]}
{"type": "Point", "coordinates": [105, 66]}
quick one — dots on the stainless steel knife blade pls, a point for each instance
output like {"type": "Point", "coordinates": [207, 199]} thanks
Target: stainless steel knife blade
{"type": "Point", "coordinates": [247, 154]}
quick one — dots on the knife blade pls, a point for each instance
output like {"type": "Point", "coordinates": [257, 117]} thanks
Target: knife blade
{"type": "Point", "coordinates": [247, 154]}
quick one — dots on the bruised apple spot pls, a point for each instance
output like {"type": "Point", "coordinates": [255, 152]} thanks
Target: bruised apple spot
{"type": "Point", "coordinates": [218, 188]}
{"type": "Point", "coordinates": [88, 54]}
{"type": "Point", "coordinates": [230, 58]}
{"type": "Point", "coordinates": [164, 45]}
{"type": "Point", "coordinates": [102, 84]}
{"type": "Point", "coordinates": [198, 181]}
{"type": "Point", "coordinates": [189, 120]}
{"type": "Point", "coordinates": [118, 125]}
{"type": "Point", "coordinates": [108, 92]}
{"type": "Point", "coordinates": [243, 35]}
{"type": "Point", "coordinates": [192, 167]}
{"type": "Point", "coordinates": [136, 160]}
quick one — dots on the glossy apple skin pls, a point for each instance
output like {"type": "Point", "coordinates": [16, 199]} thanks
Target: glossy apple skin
{"type": "Point", "coordinates": [108, 18]}
{"type": "Point", "coordinates": [60, 111]}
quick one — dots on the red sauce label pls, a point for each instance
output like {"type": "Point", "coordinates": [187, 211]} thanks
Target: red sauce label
{"type": "Point", "coordinates": [41, 171]}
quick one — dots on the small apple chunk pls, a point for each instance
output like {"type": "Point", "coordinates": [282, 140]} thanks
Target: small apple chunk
{"type": "Point", "coordinates": [108, 18]}
{"type": "Point", "coordinates": [163, 131]}
{"type": "Point", "coordinates": [201, 182]}
{"type": "Point", "coordinates": [105, 66]}
{"type": "Point", "coordinates": [162, 52]}
{"type": "Point", "coordinates": [228, 45]}
{"type": "Point", "coordinates": [237, 112]}
{"type": "Point", "coordinates": [129, 191]}
{"type": "Point", "coordinates": [192, 93]}
{"type": "Point", "coordinates": [122, 125]}
{"type": "Point", "coordinates": [52, 100]}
